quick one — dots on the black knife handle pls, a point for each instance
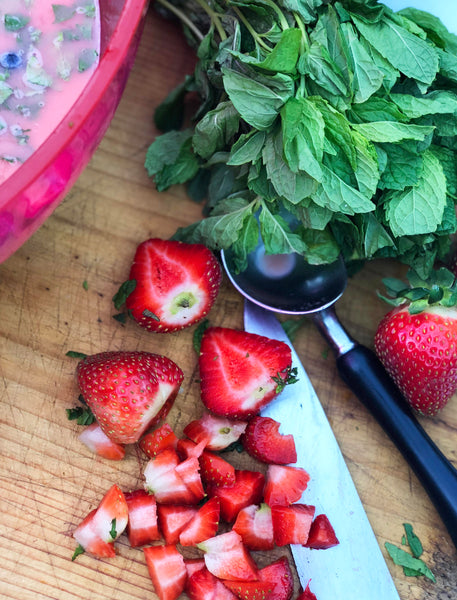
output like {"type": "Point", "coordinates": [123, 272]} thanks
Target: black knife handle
{"type": "Point", "coordinates": [365, 375]}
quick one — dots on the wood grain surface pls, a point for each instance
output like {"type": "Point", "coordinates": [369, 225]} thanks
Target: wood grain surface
{"type": "Point", "coordinates": [49, 480]}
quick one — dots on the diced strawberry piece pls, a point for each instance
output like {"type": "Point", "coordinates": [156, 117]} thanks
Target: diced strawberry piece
{"type": "Point", "coordinates": [247, 489]}
{"type": "Point", "coordinates": [193, 565]}
{"type": "Point", "coordinates": [173, 519]}
{"type": "Point", "coordinates": [263, 441]}
{"type": "Point", "coordinates": [128, 392]}
{"type": "Point", "coordinates": [203, 525]}
{"type": "Point", "coordinates": [188, 449]}
{"type": "Point", "coordinates": [155, 441]}
{"type": "Point", "coordinates": [255, 526]}
{"type": "Point", "coordinates": [162, 479]}
{"type": "Point", "coordinates": [291, 524]}
{"type": "Point", "coordinates": [142, 526]}
{"type": "Point", "coordinates": [321, 535]}
{"type": "Point", "coordinates": [189, 471]}
{"type": "Point", "coordinates": [176, 284]}
{"type": "Point", "coordinates": [280, 578]}
{"type": "Point", "coordinates": [98, 442]}
{"type": "Point", "coordinates": [217, 432]}
{"type": "Point", "coordinates": [249, 590]}
{"type": "Point", "coordinates": [307, 594]}
{"type": "Point", "coordinates": [241, 372]}
{"type": "Point", "coordinates": [216, 471]}
{"type": "Point", "coordinates": [226, 557]}
{"type": "Point", "coordinates": [167, 571]}
{"type": "Point", "coordinates": [203, 585]}
{"type": "Point", "coordinates": [103, 525]}
{"type": "Point", "coordinates": [285, 484]}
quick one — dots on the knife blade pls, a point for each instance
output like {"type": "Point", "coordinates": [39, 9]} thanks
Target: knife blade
{"type": "Point", "coordinates": [356, 567]}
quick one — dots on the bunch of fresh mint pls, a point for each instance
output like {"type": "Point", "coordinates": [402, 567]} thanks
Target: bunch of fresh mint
{"type": "Point", "coordinates": [326, 126]}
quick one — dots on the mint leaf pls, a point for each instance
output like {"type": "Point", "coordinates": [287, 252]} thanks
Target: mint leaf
{"type": "Point", "coordinates": [15, 22]}
{"type": "Point", "coordinates": [419, 209]}
{"type": "Point", "coordinates": [413, 541]}
{"type": "Point", "coordinates": [258, 99]}
{"type": "Point", "coordinates": [216, 129]}
{"type": "Point", "coordinates": [415, 566]}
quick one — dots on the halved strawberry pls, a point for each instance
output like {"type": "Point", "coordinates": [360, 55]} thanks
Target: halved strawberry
{"type": "Point", "coordinates": [284, 484]}
{"type": "Point", "coordinates": [321, 535]}
{"type": "Point", "coordinates": [162, 479]}
{"type": "Point", "coordinates": [203, 525]}
{"type": "Point", "coordinates": [247, 489]}
{"type": "Point", "coordinates": [167, 570]}
{"type": "Point", "coordinates": [173, 518]}
{"type": "Point", "coordinates": [255, 526]}
{"type": "Point", "coordinates": [155, 441]}
{"type": "Point", "coordinates": [307, 594]}
{"type": "Point", "coordinates": [128, 392]}
{"type": "Point", "coordinates": [280, 578]}
{"type": "Point", "coordinates": [103, 525]}
{"type": "Point", "coordinates": [98, 442]}
{"type": "Point", "coordinates": [241, 372]}
{"type": "Point", "coordinates": [291, 524]}
{"type": "Point", "coordinates": [203, 585]}
{"type": "Point", "coordinates": [263, 441]}
{"type": "Point", "coordinates": [142, 526]}
{"type": "Point", "coordinates": [217, 432]}
{"type": "Point", "coordinates": [171, 285]}
{"type": "Point", "coordinates": [226, 557]}
{"type": "Point", "coordinates": [216, 471]}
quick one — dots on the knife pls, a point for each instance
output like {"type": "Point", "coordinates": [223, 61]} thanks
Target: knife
{"type": "Point", "coordinates": [355, 568]}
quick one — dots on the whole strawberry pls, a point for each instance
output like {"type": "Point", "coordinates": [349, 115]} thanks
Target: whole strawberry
{"type": "Point", "coordinates": [417, 340]}
{"type": "Point", "coordinates": [128, 391]}
{"type": "Point", "coordinates": [171, 285]}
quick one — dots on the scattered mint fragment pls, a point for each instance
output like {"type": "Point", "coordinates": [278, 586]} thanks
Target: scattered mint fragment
{"type": "Point", "coordinates": [413, 541]}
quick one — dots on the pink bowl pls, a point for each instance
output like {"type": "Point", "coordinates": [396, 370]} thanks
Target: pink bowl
{"type": "Point", "coordinates": [30, 194]}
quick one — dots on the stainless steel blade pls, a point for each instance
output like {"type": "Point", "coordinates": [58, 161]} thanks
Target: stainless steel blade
{"type": "Point", "coordinates": [356, 567]}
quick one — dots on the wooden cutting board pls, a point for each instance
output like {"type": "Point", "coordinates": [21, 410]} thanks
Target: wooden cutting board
{"type": "Point", "coordinates": [49, 481]}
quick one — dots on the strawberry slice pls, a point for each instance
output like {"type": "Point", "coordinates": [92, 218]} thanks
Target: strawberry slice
{"type": "Point", "coordinates": [247, 489]}
{"type": "Point", "coordinates": [291, 524]}
{"type": "Point", "coordinates": [263, 441]}
{"type": "Point", "coordinates": [203, 525]}
{"type": "Point", "coordinates": [98, 442]}
{"type": "Point", "coordinates": [162, 479]}
{"type": "Point", "coordinates": [241, 372]}
{"type": "Point", "coordinates": [285, 484]}
{"type": "Point", "coordinates": [226, 557]}
{"type": "Point", "coordinates": [155, 441]}
{"type": "Point", "coordinates": [188, 449]}
{"type": "Point", "coordinates": [167, 570]}
{"type": "Point", "coordinates": [189, 471]}
{"type": "Point", "coordinates": [215, 471]}
{"type": "Point", "coordinates": [103, 525]}
{"type": "Point", "coordinates": [255, 526]}
{"type": "Point", "coordinates": [280, 578]}
{"type": "Point", "coordinates": [142, 526]}
{"type": "Point", "coordinates": [174, 285]}
{"type": "Point", "coordinates": [128, 392]}
{"type": "Point", "coordinates": [217, 432]}
{"type": "Point", "coordinates": [321, 535]}
{"type": "Point", "coordinates": [203, 585]}
{"type": "Point", "coordinates": [307, 594]}
{"type": "Point", "coordinates": [193, 565]}
{"type": "Point", "coordinates": [173, 518]}
{"type": "Point", "coordinates": [249, 590]}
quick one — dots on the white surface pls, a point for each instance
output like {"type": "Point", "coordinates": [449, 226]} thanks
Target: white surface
{"type": "Point", "coordinates": [356, 567]}
{"type": "Point", "coordinates": [446, 10]}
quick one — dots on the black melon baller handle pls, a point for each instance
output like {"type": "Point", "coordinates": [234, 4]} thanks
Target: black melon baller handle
{"type": "Point", "coordinates": [365, 375]}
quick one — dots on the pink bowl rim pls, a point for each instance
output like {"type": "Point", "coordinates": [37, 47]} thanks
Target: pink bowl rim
{"type": "Point", "coordinates": [110, 63]}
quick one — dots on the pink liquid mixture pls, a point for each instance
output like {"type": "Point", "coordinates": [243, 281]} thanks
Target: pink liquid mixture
{"type": "Point", "coordinates": [48, 51]}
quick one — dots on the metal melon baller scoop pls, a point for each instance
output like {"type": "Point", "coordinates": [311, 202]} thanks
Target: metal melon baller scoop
{"type": "Point", "coordinates": [287, 284]}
